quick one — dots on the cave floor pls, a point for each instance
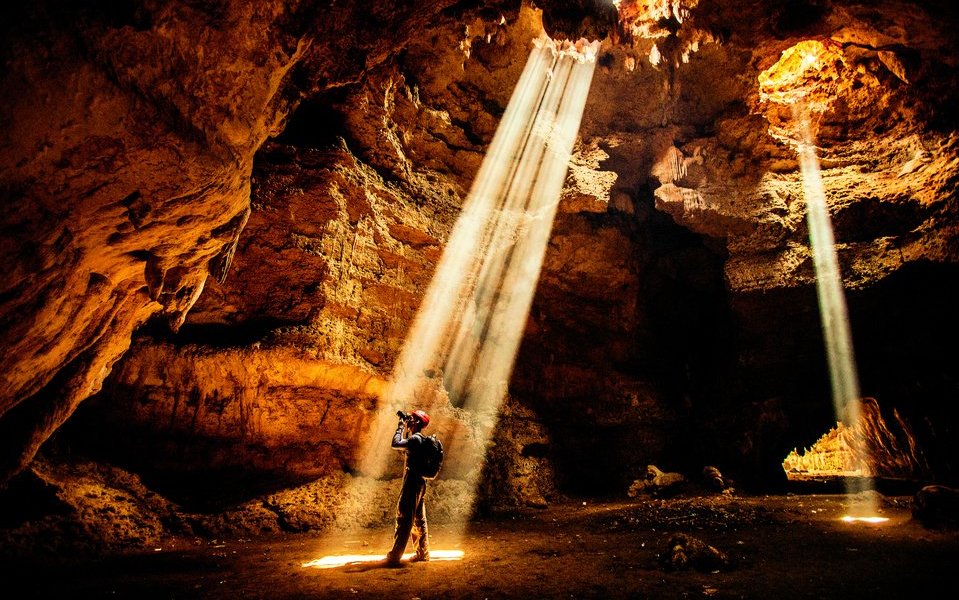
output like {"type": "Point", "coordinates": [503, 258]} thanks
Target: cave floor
{"type": "Point", "coordinates": [783, 546]}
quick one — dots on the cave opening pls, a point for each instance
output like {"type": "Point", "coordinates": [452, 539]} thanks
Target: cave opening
{"type": "Point", "coordinates": [318, 121]}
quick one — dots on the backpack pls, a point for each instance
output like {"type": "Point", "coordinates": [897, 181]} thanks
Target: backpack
{"type": "Point", "coordinates": [427, 459]}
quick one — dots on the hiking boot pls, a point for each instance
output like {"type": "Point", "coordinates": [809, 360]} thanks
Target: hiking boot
{"type": "Point", "coordinates": [421, 557]}
{"type": "Point", "coordinates": [392, 562]}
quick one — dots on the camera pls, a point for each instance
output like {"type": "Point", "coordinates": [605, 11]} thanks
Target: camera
{"type": "Point", "coordinates": [402, 415]}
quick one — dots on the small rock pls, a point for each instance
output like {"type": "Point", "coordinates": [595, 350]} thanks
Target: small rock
{"type": "Point", "coordinates": [714, 479]}
{"type": "Point", "coordinates": [684, 552]}
{"type": "Point", "coordinates": [655, 481]}
{"type": "Point", "coordinates": [937, 507]}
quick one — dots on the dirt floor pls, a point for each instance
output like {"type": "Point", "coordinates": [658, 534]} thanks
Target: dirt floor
{"type": "Point", "coordinates": [789, 546]}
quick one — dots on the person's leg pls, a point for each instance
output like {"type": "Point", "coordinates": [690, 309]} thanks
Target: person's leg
{"type": "Point", "coordinates": [405, 509]}
{"type": "Point", "coordinates": [421, 536]}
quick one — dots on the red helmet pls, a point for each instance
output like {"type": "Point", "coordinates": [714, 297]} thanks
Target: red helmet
{"type": "Point", "coordinates": [422, 417]}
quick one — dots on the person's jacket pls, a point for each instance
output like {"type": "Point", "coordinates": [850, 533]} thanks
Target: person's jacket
{"type": "Point", "coordinates": [411, 444]}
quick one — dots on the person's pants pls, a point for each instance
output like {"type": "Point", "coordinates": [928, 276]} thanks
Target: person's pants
{"type": "Point", "coordinates": [411, 518]}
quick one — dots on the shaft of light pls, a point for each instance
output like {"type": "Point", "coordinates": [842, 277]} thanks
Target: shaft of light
{"type": "Point", "coordinates": [342, 560]}
{"type": "Point", "coordinates": [832, 300]}
{"type": "Point", "coordinates": [461, 347]}
{"type": "Point", "coordinates": [869, 520]}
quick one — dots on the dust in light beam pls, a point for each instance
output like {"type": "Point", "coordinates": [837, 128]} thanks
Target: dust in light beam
{"type": "Point", "coordinates": [460, 350]}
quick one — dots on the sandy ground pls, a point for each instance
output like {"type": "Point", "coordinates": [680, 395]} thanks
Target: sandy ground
{"type": "Point", "coordinates": [791, 546]}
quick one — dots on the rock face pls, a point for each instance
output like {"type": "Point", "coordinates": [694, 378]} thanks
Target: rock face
{"type": "Point", "coordinates": [675, 322]}
{"type": "Point", "coordinates": [128, 143]}
{"type": "Point", "coordinates": [937, 507]}
{"type": "Point", "coordinates": [131, 183]}
{"type": "Point", "coordinates": [871, 447]}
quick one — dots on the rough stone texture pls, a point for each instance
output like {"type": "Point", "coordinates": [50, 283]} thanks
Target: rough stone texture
{"type": "Point", "coordinates": [656, 482]}
{"type": "Point", "coordinates": [282, 406]}
{"type": "Point", "coordinates": [687, 552]}
{"type": "Point", "coordinates": [84, 508]}
{"type": "Point", "coordinates": [127, 148]}
{"type": "Point", "coordinates": [334, 251]}
{"type": "Point", "coordinates": [870, 447]}
{"type": "Point", "coordinates": [89, 508]}
{"type": "Point", "coordinates": [129, 184]}
{"type": "Point", "coordinates": [675, 321]}
{"type": "Point", "coordinates": [937, 507]}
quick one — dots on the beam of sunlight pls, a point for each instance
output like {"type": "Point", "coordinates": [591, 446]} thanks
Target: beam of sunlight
{"type": "Point", "coordinates": [459, 352]}
{"type": "Point", "coordinates": [833, 311]}
{"type": "Point", "coordinates": [832, 299]}
{"type": "Point", "coordinates": [805, 79]}
{"type": "Point", "coordinates": [869, 520]}
{"type": "Point", "coordinates": [342, 560]}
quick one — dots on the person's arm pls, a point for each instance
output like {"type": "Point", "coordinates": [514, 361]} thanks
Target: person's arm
{"type": "Point", "coordinates": [398, 441]}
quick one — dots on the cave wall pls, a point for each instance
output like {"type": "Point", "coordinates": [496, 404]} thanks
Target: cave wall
{"type": "Point", "coordinates": [279, 369]}
{"type": "Point", "coordinates": [127, 186]}
{"type": "Point", "coordinates": [128, 140]}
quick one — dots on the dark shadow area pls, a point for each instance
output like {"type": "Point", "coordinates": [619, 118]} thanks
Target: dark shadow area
{"type": "Point", "coordinates": [684, 290]}
{"type": "Point", "coordinates": [872, 220]}
{"type": "Point", "coordinates": [217, 335]}
{"type": "Point", "coordinates": [598, 464]}
{"type": "Point", "coordinates": [136, 575]}
{"type": "Point", "coordinates": [678, 346]}
{"type": "Point", "coordinates": [909, 364]}
{"type": "Point", "coordinates": [792, 17]}
{"type": "Point", "coordinates": [317, 122]}
{"type": "Point", "coordinates": [27, 497]}
{"type": "Point", "coordinates": [170, 466]}
{"type": "Point", "coordinates": [215, 490]}
{"type": "Point", "coordinates": [222, 335]}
